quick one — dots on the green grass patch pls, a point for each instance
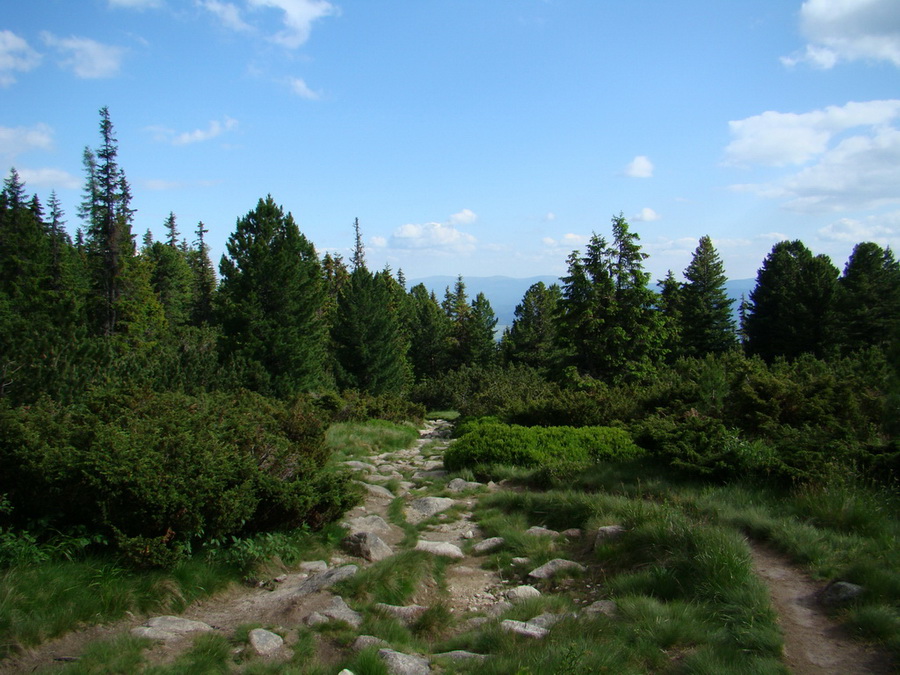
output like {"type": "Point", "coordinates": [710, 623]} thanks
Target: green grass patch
{"type": "Point", "coordinates": [393, 580]}
{"type": "Point", "coordinates": [352, 440]}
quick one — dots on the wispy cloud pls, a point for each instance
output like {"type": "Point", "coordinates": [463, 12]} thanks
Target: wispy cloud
{"type": "Point", "coordinates": [435, 237]}
{"type": "Point", "coordinates": [640, 167]}
{"type": "Point", "coordinates": [298, 17]}
{"type": "Point", "coordinates": [136, 4]}
{"type": "Point", "coordinates": [848, 30]}
{"type": "Point", "coordinates": [228, 13]}
{"type": "Point", "coordinates": [213, 130]}
{"type": "Point", "coordinates": [15, 141]}
{"type": "Point", "coordinates": [16, 56]}
{"type": "Point", "coordinates": [86, 58]}
{"type": "Point", "coordinates": [299, 87]}
{"type": "Point", "coordinates": [882, 229]}
{"type": "Point", "coordinates": [51, 178]}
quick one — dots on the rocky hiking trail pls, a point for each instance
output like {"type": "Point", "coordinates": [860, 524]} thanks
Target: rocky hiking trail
{"type": "Point", "coordinates": [308, 596]}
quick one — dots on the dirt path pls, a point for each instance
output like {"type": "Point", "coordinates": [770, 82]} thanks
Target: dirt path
{"type": "Point", "coordinates": [814, 644]}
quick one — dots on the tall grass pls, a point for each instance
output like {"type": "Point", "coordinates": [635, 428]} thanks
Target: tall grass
{"type": "Point", "coordinates": [348, 440]}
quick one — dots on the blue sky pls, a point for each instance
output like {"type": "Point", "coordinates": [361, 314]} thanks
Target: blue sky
{"type": "Point", "coordinates": [473, 137]}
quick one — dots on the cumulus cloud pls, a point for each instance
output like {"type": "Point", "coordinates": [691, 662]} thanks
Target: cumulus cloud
{"type": "Point", "coordinates": [51, 178]}
{"type": "Point", "coordinates": [777, 139]}
{"type": "Point", "coordinates": [639, 167]}
{"type": "Point", "coordinates": [646, 215]}
{"type": "Point", "coordinates": [464, 217]}
{"type": "Point", "coordinates": [567, 241]}
{"type": "Point", "coordinates": [299, 87]}
{"type": "Point", "coordinates": [298, 17]}
{"type": "Point", "coordinates": [15, 56]}
{"type": "Point", "coordinates": [438, 237]}
{"type": "Point", "coordinates": [15, 141]}
{"type": "Point", "coordinates": [228, 13]}
{"type": "Point", "coordinates": [86, 58]}
{"type": "Point", "coordinates": [213, 130]}
{"type": "Point", "coordinates": [848, 30]}
{"type": "Point", "coordinates": [881, 229]}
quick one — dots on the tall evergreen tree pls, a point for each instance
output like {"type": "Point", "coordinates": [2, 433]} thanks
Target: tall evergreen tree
{"type": "Point", "coordinates": [867, 302]}
{"type": "Point", "coordinates": [533, 338]}
{"type": "Point", "coordinates": [481, 327]}
{"type": "Point", "coordinates": [204, 276]}
{"type": "Point", "coordinates": [171, 277]}
{"type": "Point", "coordinates": [670, 306]}
{"type": "Point", "coordinates": [707, 323]}
{"type": "Point", "coordinates": [457, 308]}
{"type": "Point", "coordinates": [791, 307]}
{"type": "Point", "coordinates": [429, 334]}
{"type": "Point", "coordinates": [270, 302]}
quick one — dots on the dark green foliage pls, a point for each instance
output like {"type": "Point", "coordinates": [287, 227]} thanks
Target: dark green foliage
{"type": "Point", "coordinates": [494, 443]}
{"type": "Point", "coordinates": [159, 473]}
{"type": "Point", "coordinates": [533, 338]}
{"type": "Point", "coordinates": [270, 303]}
{"type": "Point", "coordinates": [790, 310]}
{"type": "Point", "coordinates": [429, 334]}
{"type": "Point", "coordinates": [706, 322]}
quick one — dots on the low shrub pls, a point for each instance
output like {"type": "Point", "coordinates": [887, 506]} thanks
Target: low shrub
{"type": "Point", "coordinates": [489, 442]}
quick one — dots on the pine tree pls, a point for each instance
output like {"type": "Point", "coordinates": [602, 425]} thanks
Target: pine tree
{"type": "Point", "coordinates": [429, 334]}
{"type": "Point", "coordinates": [706, 320]}
{"type": "Point", "coordinates": [204, 279]}
{"type": "Point", "coordinates": [533, 337]}
{"type": "Point", "coordinates": [481, 329]}
{"type": "Point", "coordinates": [270, 303]}
{"type": "Point", "coordinates": [457, 308]}
{"type": "Point", "coordinates": [171, 277]}
{"type": "Point", "coordinates": [669, 304]}
{"type": "Point", "coordinates": [867, 302]}
{"type": "Point", "coordinates": [791, 307]}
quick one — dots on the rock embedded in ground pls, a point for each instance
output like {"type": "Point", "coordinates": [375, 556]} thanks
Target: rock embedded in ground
{"type": "Point", "coordinates": [840, 593]}
{"type": "Point", "coordinates": [547, 620]}
{"type": "Point", "coordinates": [366, 641]}
{"type": "Point", "coordinates": [399, 663]}
{"type": "Point", "coordinates": [429, 474]}
{"type": "Point", "coordinates": [326, 579]}
{"type": "Point", "coordinates": [313, 566]}
{"type": "Point", "coordinates": [571, 533]}
{"type": "Point", "coordinates": [520, 561]}
{"type": "Point", "coordinates": [461, 655]}
{"type": "Point", "coordinates": [339, 611]}
{"type": "Point", "coordinates": [169, 627]}
{"type": "Point", "coordinates": [498, 608]}
{"type": "Point", "coordinates": [404, 614]}
{"type": "Point", "coordinates": [361, 466]}
{"type": "Point", "coordinates": [488, 545]}
{"type": "Point", "coordinates": [372, 523]}
{"type": "Point", "coordinates": [459, 485]}
{"type": "Point", "coordinates": [551, 569]}
{"type": "Point", "coordinates": [377, 491]}
{"type": "Point", "coordinates": [607, 533]}
{"type": "Point", "coordinates": [605, 607]}
{"type": "Point", "coordinates": [424, 507]}
{"type": "Point", "coordinates": [538, 531]}
{"type": "Point", "coordinates": [522, 628]}
{"type": "Point", "coordinates": [265, 642]}
{"type": "Point", "coordinates": [367, 545]}
{"type": "Point", "coordinates": [441, 548]}
{"type": "Point", "coordinates": [520, 593]}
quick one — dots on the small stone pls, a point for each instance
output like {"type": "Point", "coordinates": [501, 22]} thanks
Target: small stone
{"type": "Point", "coordinates": [608, 533]}
{"type": "Point", "coordinates": [405, 615]}
{"type": "Point", "coordinates": [546, 620]}
{"type": "Point", "coordinates": [477, 621]}
{"type": "Point", "coordinates": [442, 548]}
{"type": "Point", "coordinates": [367, 545]}
{"type": "Point", "coordinates": [538, 531]}
{"type": "Point", "coordinates": [399, 663]}
{"type": "Point", "coordinates": [520, 593]}
{"type": "Point", "coordinates": [341, 611]}
{"type": "Point", "coordinates": [498, 608]}
{"type": "Point", "coordinates": [365, 641]}
{"type": "Point", "coordinates": [430, 474]}
{"type": "Point", "coordinates": [605, 607]}
{"type": "Point", "coordinates": [361, 466]}
{"type": "Point", "coordinates": [840, 593]}
{"type": "Point", "coordinates": [571, 533]}
{"type": "Point", "coordinates": [520, 561]}
{"type": "Point", "coordinates": [460, 485]}
{"type": "Point", "coordinates": [522, 628]}
{"type": "Point", "coordinates": [488, 545]}
{"type": "Point", "coordinates": [314, 566]}
{"type": "Point", "coordinates": [346, 672]}
{"type": "Point", "coordinates": [425, 507]}
{"type": "Point", "coordinates": [326, 579]}
{"type": "Point", "coordinates": [554, 567]}
{"type": "Point", "coordinates": [461, 655]}
{"type": "Point", "coordinates": [264, 642]}
{"type": "Point", "coordinates": [377, 491]}
{"type": "Point", "coordinates": [316, 619]}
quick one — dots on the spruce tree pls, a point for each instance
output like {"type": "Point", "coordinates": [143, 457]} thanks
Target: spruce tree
{"type": "Point", "coordinates": [670, 306]}
{"type": "Point", "coordinates": [429, 332]}
{"type": "Point", "coordinates": [481, 327]}
{"type": "Point", "coordinates": [706, 319]}
{"type": "Point", "coordinates": [204, 279]}
{"type": "Point", "coordinates": [533, 338]}
{"type": "Point", "coordinates": [791, 307]}
{"type": "Point", "coordinates": [270, 303]}
{"type": "Point", "coordinates": [171, 277]}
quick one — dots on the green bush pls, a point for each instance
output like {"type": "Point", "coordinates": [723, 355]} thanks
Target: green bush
{"type": "Point", "coordinates": [490, 442]}
{"type": "Point", "coordinates": [159, 473]}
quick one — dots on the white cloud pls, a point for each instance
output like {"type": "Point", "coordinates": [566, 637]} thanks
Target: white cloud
{"type": "Point", "coordinates": [639, 167]}
{"type": "Point", "coordinates": [378, 242]}
{"type": "Point", "coordinates": [17, 140]}
{"type": "Point", "coordinates": [464, 217]}
{"type": "Point", "coordinates": [646, 215]}
{"type": "Point", "coordinates": [437, 237]}
{"type": "Point", "coordinates": [848, 30]}
{"type": "Point", "coordinates": [215, 128]}
{"type": "Point", "coordinates": [15, 56]}
{"type": "Point", "coordinates": [299, 87]}
{"type": "Point", "coordinates": [881, 229]}
{"type": "Point", "coordinates": [52, 178]}
{"type": "Point", "coordinates": [777, 139]}
{"type": "Point", "coordinates": [550, 216]}
{"type": "Point", "coordinates": [228, 13]}
{"type": "Point", "coordinates": [87, 58]}
{"type": "Point", "coordinates": [566, 241]}
{"type": "Point", "coordinates": [298, 18]}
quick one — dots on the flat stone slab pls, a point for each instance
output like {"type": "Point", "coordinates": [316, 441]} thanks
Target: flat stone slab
{"type": "Point", "coordinates": [372, 523]}
{"type": "Point", "coordinates": [265, 642]}
{"type": "Point", "coordinates": [424, 507]}
{"type": "Point", "coordinates": [520, 593]}
{"type": "Point", "coordinates": [337, 610]}
{"type": "Point", "coordinates": [361, 466]}
{"type": "Point", "coordinates": [399, 663]}
{"type": "Point", "coordinates": [404, 614]}
{"type": "Point", "coordinates": [460, 485]}
{"type": "Point", "coordinates": [429, 474]}
{"type": "Point", "coordinates": [326, 579]}
{"type": "Point", "coordinates": [377, 491]}
{"type": "Point", "coordinates": [366, 641]}
{"type": "Point", "coordinates": [442, 548]}
{"type": "Point", "coordinates": [367, 545]}
{"type": "Point", "coordinates": [522, 628]}
{"type": "Point", "coordinates": [546, 620]}
{"type": "Point", "coordinates": [538, 531]}
{"type": "Point", "coordinates": [488, 545]}
{"type": "Point", "coordinates": [313, 566]}
{"type": "Point", "coordinates": [169, 627]}
{"type": "Point", "coordinates": [605, 607]}
{"type": "Point", "coordinates": [551, 569]}
{"type": "Point", "coordinates": [462, 655]}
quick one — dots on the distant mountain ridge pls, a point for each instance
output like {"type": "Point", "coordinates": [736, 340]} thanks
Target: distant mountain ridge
{"type": "Point", "coordinates": [504, 293]}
